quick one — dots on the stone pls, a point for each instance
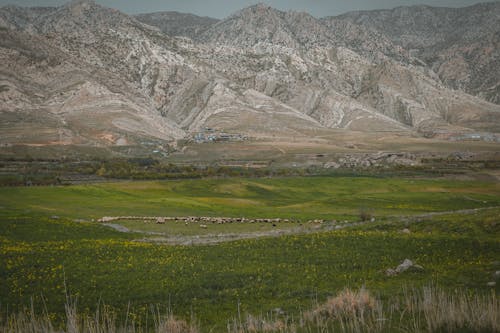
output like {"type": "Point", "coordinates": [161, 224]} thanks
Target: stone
{"type": "Point", "coordinates": [391, 272]}
{"type": "Point", "coordinates": [404, 266]}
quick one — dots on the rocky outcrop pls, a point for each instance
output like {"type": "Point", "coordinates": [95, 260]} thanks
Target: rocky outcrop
{"type": "Point", "coordinates": [178, 24]}
{"type": "Point", "coordinates": [462, 45]}
{"type": "Point", "coordinates": [406, 265]}
{"type": "Point", "coordinates": [85, 74]}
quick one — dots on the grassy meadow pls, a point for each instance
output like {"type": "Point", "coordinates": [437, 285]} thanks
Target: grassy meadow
{"type": "Point", "coordinates": [49, 245]}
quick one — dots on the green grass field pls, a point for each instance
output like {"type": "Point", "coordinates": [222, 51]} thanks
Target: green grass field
{"type": "Point", "coordinates": [39, 254]}
{"type": "Point", "coordinates": [301, 198]}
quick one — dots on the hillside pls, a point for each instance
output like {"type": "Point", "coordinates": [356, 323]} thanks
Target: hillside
{"type": "Point", "coordinates": [83, 74]}
{"type": "Point", "coordinates": [460, 44]}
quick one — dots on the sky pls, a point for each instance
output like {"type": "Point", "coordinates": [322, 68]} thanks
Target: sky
{"type": "Point", "coordinates": [223, 8]}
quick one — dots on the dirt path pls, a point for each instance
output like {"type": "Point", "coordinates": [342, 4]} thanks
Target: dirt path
{"type": "Point", "coordinates": [461, 211]}
{"type": "Point", "coordinates": [219, 238]}
{"type": "Point", "coordinates": [163, 238]}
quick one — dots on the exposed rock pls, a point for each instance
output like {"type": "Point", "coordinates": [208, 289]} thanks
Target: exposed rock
{"type": "Point", "coordinates": [83, 74]}
{"type": "Point", "coordinates": [404, 266]}
{"type": "Point", "coordinates": [391, 272]}
{"type": "Point", "coordinates": [460, 44]}
{"type": "Point", "coordinates": [178, 24]}
{"type": "Point", "coordinates": [417, 267]}
{"type": "Point", "coordinates": [332, 165]}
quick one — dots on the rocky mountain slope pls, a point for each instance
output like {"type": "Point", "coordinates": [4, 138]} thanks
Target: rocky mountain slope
{"type": "Point", "coordinates": [85, 74]}
{"type": "Point", "coordinates": [462, 45]}
{"type": "Point", "coordinates": [177, 24]}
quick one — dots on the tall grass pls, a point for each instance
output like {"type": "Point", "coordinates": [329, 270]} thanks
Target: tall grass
{"type": "Point", "coordinates": [104, 320]}
{"type": "Point", "coordinates": [430, 310]}
{"type": "Point", "coordinates": [458, 312]}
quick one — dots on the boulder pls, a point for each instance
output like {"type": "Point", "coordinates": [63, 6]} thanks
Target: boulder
{"type": "Point", "coordinates": [403, 267]}
{"type": "Point", "coordinates": [390, 272]}
{"type": "Point", "coordinates": [417, 267]}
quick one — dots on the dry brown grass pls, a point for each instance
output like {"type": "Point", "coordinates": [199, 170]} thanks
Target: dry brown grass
{"type": "Point", "coordinates": [254, 324]}
{"type": "Point", "coordinates": [350, 311]}
{"type": "Point", "coordinates": [429, 310]}
{"type": "Point", "coordinates": [347, 303]}
{"type": "Point", "coordinates": [103, 321]}
{"type": "Point", "coordinates": [444, 312]}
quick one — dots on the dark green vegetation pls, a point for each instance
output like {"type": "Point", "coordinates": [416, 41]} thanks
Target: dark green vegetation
{"type": "Point", "coordinates": [30, 171]}
{"type": "Point", "coordinates": [39, 252]}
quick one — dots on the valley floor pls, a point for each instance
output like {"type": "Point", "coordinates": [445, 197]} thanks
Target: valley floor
{"type": "Point", "coordinates": [52, 245]}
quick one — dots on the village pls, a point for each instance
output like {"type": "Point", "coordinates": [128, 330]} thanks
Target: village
{"type": "Point", "coordinates": [208, 135]}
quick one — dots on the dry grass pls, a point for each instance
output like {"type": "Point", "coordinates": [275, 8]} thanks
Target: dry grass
{"type": "Point", "coordinates": [443, 312]}
{"type": "Point", "coordinates": [103, 321]}
{"type": "Point", "coordinates": [254, 324]}
{"type": "Point", "coordinates": [346, 304]}
{"type": "Point", "coordinates": [430, 310]}
{"type": "Point", "coordinates": [351, 311]}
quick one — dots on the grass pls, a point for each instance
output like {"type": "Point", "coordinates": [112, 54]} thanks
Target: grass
{"type": "Point", "coordinates": [39, 255]}
{"type": "Point", "coordinates": [301, 197]}
{"type": "Point", "coordinates": [181, 229]}
{"type": "Point", "coordinates": [429, 309]}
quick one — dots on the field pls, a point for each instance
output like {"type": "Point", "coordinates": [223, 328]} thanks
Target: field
{"type": "Point", "coordinates": [50, 244]}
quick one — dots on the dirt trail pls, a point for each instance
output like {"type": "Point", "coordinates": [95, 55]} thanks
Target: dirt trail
{"type": "Point", "coordinates": [461, 211]}
{"type": "Point", "coordinates": [163, 238]}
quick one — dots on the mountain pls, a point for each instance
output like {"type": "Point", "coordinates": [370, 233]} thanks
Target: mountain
{"type": "Point", "coordinates": [177, 24]}
{"type": "Point", "coordinates": [58, 70]}
{"type": "Point", "coordinates": [462, 45]}
{"type": "Point", "coordinates": [307, 65]}
{"type": "Point", "coordinates": [83, 74]}
{"type": "Point", "coordinates": [262, 24]}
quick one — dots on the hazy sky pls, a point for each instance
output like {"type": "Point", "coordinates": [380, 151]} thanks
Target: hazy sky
{"type": "Point", "coordinates": [223, 8]}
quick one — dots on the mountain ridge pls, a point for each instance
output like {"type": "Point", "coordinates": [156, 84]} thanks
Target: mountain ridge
{"type": "Point", "coordinates": [260, 73]}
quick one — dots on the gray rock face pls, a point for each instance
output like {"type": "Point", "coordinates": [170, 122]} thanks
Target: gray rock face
{"type": "Point", "coordinates": [462, 45]}
{"type": "Point", "coordinates": [404, 266]}
{"type": "Point", "coordinates": [261, 24]}
{"type": "Point", "coordinates": [178, 24]}
{"type": "Point", "coordinates": [96, 75]}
